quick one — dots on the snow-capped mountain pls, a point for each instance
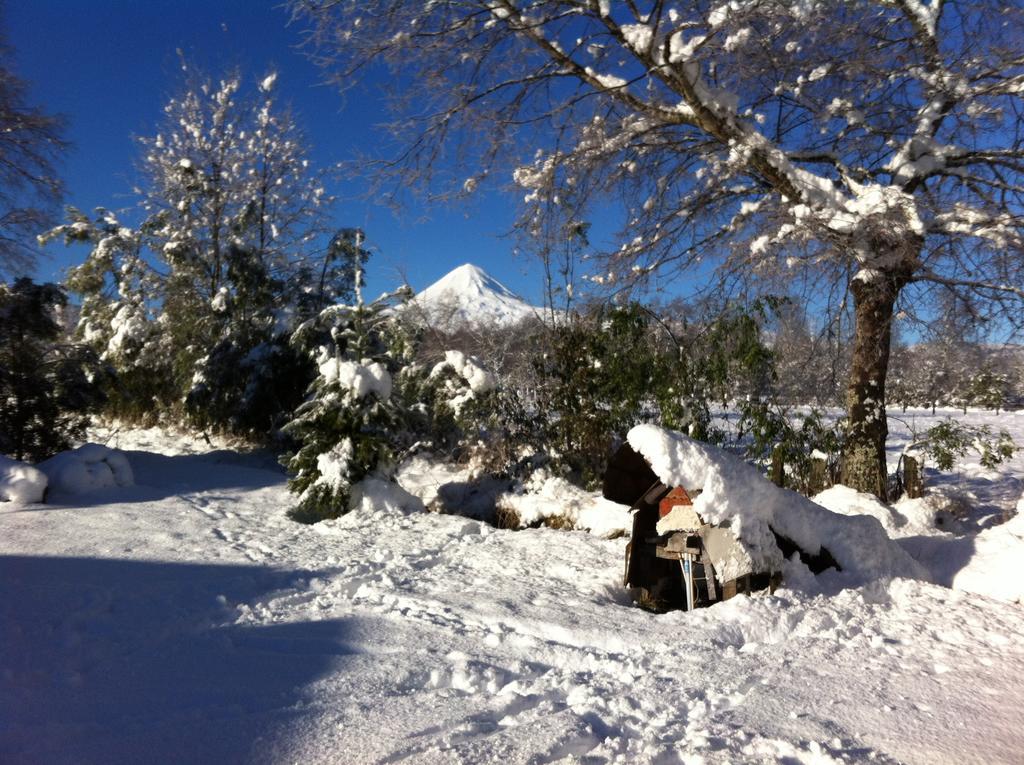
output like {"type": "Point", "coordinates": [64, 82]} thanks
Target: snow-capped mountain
{"type": "Point", "coordinates": [469, 295]}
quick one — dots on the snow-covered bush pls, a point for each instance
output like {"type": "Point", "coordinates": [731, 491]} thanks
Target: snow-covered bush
{"type": "Point", "coordinates": [550, 500]}
{"type": "Point", "coordinates": [350, 426]}
{"type": "Point", "coordinates": [772, 432]}
{"type": "Point", "coordinates": [87, 468]}
{"type": "Point", "coordinates": [20, 482]}
{"type": "Point", "coordinates": [48, 386]}
{"type": "Point", "coordinates": [949, 441]}
{"type": "Point", "coordinates": [450, 405]}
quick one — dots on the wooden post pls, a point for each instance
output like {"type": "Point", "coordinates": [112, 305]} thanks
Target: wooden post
{"type": "Point", "coordinates": [817, 481]}
{"type": "Point", "coordinates": [778, 471]}
{"type": "Point", "coordinates": [912, 481]}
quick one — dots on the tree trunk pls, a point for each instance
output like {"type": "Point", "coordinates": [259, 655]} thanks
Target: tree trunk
{"type": "Point", "coordinates": [863, 465]}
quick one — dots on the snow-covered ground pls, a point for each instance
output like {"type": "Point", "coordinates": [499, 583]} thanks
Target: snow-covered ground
{"type": "Point", "coordinates": [186, 619]}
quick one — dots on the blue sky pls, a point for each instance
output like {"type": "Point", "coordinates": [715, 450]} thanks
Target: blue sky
{"type": "Point", "coordinates": [109, 66]}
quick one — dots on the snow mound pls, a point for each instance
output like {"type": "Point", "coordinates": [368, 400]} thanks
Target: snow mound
{"type": "Point", "coordinates": [936, 512]}
{"type": "Point", "coordinates": [424, 477]}
{"type": "Point", "coordinates": [20, 482]}
{"type": "Point", "coordinates": [378, 495]}
{"type": "Point", "coordinates": [994, 568]}
{"type": "Point", "coordinates": [933, 514]}
{"type": "Point", "coordinates": [87, 468]}
{"type": "Point", "coordinates": [547, 496]}
{"type": "Point", "coordinates": [726, 490]}
{"type": "Point", "coordinates": [846, 501]}
{"type": "Point", "coordinates": [468, 295]}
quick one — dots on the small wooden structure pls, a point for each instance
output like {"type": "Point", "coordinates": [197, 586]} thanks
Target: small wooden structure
{"type": "Point", "coordinates": [682, 567]}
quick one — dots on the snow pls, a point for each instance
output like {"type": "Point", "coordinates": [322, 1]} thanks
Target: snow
{"type": "Point", "coordinates": [735, 493]}
{"type": "Point", "coordinates": [477, 379]}
{"type": "Point", "coordinates": [637, 36]}
{"type": "Point", "coordinates": [20, 483]}
{"type": "Point", "coordinates": [469, 369]}
{"type": "Point", "coordinates": [333, 466]}
{"type": "Point", "coordinates": [468, 296]}
{"type": "Point", "coordinates": [267, 83]}
{"type": "Point", "coordinates": [548, 496]}
{"type": "Point", "coordinates": [846, 501]}
{"type": "Point", "coordinates": [86, 469]}
{"type": "Point", "coordinates": [359, 380]}
{"type": "Point", "coordinates": [378, 495]}
{"type": "Point", "coordinates": [931, 515]}
{"type": "Point", "coordinates": [129, 329]}
{"type": "Point", "coordinates": [994, 568]}
{"type": "Point", "coordinates": [187, 619]}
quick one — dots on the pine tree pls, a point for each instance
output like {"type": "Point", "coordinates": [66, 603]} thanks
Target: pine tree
{"type": "Point", "coordinates": [332, 279]}
{"type": "Point", "coordinates": [47, 387]}
{"type": "Point", "coordinates": [232, 213]}
{"type": "Point", "coordinates": [118, 318]}
{"type": "Point", "coordinates": [350, 425]}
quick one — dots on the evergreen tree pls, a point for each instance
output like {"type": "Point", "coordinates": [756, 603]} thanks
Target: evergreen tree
{"type": "Point", "coordinates": [47, 388]}
{"type": "Point", "coordinates": [332, 280]}
{"type": "Point", "coordinates": [988, 388]}
{"type": "Point", "coordinates": [232, 207]}
{"type": "Point", "coordinates": [232, 213]}
{"type": "Point", "coordinates": [350, 425]}
{"type": "Point", "coordinates": [118, 317]}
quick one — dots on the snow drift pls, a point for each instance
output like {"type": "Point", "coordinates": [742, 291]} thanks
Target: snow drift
{"type": "Point", "coordinates": [994, 568]}
{"type": "Point", "coordinates": [728, 491]}
{"type": "Point", "coordinates": [87, 468]}
{"type": "Point", "coordinates": [20, 482]}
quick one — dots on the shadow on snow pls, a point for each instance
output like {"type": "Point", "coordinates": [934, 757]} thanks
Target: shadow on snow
{"type": "Point", "coordinates": [158, 476]}
{"type": "Point", "coordinates": [127, 661]}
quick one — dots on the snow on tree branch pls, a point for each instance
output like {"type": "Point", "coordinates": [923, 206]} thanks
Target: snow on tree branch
{"type": "Point", "coordinates": [865, 128]}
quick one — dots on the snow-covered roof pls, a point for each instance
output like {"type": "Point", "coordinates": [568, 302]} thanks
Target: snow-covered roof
{"type": "Point", "coordinates": [726, 490]}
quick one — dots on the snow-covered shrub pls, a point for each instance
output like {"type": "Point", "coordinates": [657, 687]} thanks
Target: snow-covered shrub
{"type": "Point", "coordinates": [771, 432]}
{"type": "Point", "coordinates": [549, 500]}
{"type": "Point", "coordinates": [48, 386]}
{"type": "Point", "coordinates": [87, 468]}
{"type": "Point", "coordinates": [949, 441]}
{"type": "Point", "coordinates": [20, 482]}
{"type": "Point", "coordinates": [450, 405]}
{"type": "Point", "coordinates": [350, 426]}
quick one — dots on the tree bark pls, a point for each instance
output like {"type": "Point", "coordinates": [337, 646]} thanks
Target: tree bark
{"type": "Point", "coordinates": [863, 464]}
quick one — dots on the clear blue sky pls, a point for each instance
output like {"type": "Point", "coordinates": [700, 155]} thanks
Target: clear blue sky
{"type": "Point", "coordinates": [109, 66]}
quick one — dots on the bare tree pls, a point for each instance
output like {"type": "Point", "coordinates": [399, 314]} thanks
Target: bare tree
{"type": "Point", "coordinates": [31, 144]}
{"type": "Point", "coordinates": [872, 147]}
